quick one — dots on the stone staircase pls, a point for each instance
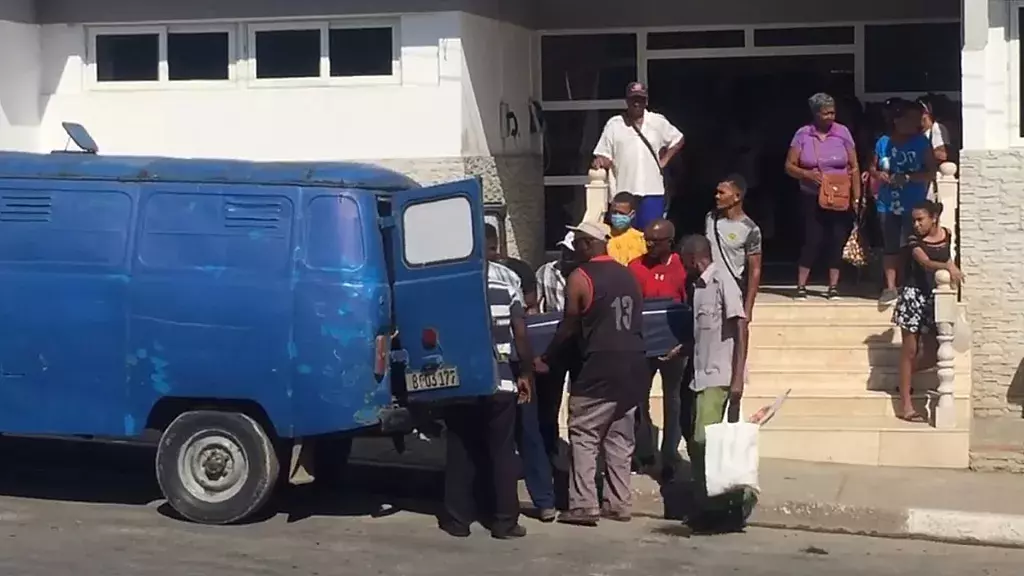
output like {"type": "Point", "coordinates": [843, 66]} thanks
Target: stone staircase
{"type": "Point", "coordinates": [840, 361]}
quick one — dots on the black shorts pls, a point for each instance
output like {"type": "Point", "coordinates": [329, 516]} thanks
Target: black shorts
{"type": "Point", "coordinates": [895, 231]}
{"type": "Point", "coordinates": [620, 376]}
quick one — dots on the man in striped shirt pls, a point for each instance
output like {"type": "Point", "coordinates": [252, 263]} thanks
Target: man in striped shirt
{"type": "Point", "coordinates": [481, 434]}
{"type": "Point", "coordinates": [550, 387]}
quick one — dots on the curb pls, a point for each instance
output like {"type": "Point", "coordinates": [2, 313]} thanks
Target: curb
{"type": "Point", "coordinates": [911, 523]}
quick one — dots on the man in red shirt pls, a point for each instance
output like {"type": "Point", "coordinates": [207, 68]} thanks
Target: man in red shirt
{"type": "Point", "coordinates": [660, 274]}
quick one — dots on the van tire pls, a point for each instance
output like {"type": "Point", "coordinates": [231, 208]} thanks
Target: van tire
{"type": "Point", "coordinates": [216, 467]}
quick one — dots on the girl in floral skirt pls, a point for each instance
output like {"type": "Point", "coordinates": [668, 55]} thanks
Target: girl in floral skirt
{"type": "Point", "coordinates": [927, 251]}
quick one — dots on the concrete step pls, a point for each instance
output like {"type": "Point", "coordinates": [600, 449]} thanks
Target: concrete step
{"type": "Point", "coordinates": [822, 333]}
{"type": "Point", "coordinates": [774, 380]}
{"type": "Point", "coordinates": [838, 404]}
{"type": "Point", "coordinates": [865, 440]}
{"type": "Point", "coordinates": [854, 357]}
{"type": "Point", "coordinates": [864, 311]}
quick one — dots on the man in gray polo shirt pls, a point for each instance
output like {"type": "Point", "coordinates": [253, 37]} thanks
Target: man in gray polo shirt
{"type": "Point", "coordinates": [719, 360]}
{"type": "Point", "coordinates": [735, 239]}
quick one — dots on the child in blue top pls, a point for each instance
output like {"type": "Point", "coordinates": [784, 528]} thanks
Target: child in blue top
{"type": "Point", "coordinates": [904, 164]}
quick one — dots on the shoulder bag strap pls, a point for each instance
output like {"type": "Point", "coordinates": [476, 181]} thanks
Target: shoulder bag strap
{"type": "Point", "coordinates": [728, 265]}
{"type": "Point", "coordinates": [657, 159]}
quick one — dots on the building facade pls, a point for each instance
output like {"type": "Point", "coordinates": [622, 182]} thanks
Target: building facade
{"type": "Point", "coordinates": [517, 91]}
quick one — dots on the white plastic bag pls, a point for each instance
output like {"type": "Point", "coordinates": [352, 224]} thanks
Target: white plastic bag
{"type": "Point", "coordinates": [731, 457]}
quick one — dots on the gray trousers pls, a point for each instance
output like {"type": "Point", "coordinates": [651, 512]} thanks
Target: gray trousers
{"type": "Point", "coordinates": [597, 425]}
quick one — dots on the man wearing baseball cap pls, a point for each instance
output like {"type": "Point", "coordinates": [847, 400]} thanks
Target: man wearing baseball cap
{"type": "Point", "coordinates": [602, 319]}
{"type": "Point", "coordinates": [636, 146]}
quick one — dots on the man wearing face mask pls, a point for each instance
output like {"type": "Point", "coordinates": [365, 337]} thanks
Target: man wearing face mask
{"type": "Point", "coordinates": [627, 243]}
{"type": "Point", "coordinates": [661, 275]}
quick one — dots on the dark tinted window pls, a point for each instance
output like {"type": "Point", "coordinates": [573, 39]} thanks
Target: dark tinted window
{"type": "Point", "coordinates": [213, 233]}
{"type": "Point", "coordinates": [570, 137]}
{"type": "Point", "coordinates": [823, 36]}
{"type": "Point", "coordinates": [587, 66]}
{"type": "Point", "coordinates": [697, 39]}
{"type": "Point", "coordinates": [361, 52]}
{"type": "Point", "coordinates": [64, 227]}
{"type": "Point", "coordinates": [335, 234]}
{"type": "Point", "coordinates": [563, 206]}
{"type": "Point", "coordinates": [288, 54]}
{"type": "Point", "coordinates": [127, 57]}
{"type": "Point", "coordinates": [912, 57]}
{"type": "Point", "coordinates": [199, 56]}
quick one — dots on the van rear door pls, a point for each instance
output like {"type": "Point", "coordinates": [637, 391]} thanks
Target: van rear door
{"type": "Point", "coordinates": [440, 291]}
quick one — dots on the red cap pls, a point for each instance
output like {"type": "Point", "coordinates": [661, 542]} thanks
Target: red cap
{"type": "Point", "coordinates": [636, 90]}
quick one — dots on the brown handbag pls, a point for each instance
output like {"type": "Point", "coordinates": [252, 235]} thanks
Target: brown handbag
{"type": "Point", "coordinates": [836, 189]}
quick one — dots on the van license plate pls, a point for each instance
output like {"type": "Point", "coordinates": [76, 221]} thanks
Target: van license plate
{"type": "Point", "coordinates": [433, 380]}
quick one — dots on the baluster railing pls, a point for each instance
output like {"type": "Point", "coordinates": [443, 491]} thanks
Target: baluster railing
{"type": "Point", "coordinates": [597, 195]}
{"type": "Point", "coordinates": [947, 305]}
{"type": "Point", "coordinates": [946, 313]}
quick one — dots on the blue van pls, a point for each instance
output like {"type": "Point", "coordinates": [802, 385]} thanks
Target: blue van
{"type": "Point", "coordinates": [234, 310]}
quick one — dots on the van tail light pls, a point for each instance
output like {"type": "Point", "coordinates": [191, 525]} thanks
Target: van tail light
{"type": "Point", "coordinates": [429, 338]}
{"type": "Point", "coordinates": [381, 355]}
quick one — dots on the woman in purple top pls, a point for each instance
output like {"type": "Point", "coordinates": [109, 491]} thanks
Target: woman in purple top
{"type": "Point", "coordinates": [826, 146]}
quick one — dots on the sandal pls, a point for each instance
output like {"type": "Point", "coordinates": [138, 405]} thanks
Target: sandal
{"type": "Point", "coordinates": [913, 416]}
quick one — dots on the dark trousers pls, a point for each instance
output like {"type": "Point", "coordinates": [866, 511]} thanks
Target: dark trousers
{"type": "Point", "coordinates": [672, 373]}
{"type": "Point", "coordinates": [481, 472]}
{"type": "Point", "coordinates": [825, 233]}
{"type": "Point", "coordinates": [549, 390]}
{"type": "Point", "coordinates": [534, 455]}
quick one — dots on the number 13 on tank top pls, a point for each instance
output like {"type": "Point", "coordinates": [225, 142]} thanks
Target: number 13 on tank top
{"type": "Point", "coordinates": [623, 306]}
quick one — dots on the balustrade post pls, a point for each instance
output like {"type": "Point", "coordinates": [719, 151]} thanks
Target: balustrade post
{"type": "Point", "coordinates": [945, 318]}
{"type": "Point", "coordinates": [597, 195]}
{"type": "Point", "coordinates": [947, 192]}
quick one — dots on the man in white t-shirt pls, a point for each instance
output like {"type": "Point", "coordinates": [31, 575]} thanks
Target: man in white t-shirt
{"type": "Point", "coordinates": [638, 164]}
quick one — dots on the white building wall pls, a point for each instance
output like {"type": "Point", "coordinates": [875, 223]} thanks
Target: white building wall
{"type": "Point", "coordinates": [416, 117]}
{"type": "Point", "coordinates": [498, 79]}
{"type": "Point", "coordinates": [20, 68]}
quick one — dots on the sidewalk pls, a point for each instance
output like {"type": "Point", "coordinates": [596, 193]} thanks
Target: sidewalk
{"type": "Point", "coordinates": [951, 505]}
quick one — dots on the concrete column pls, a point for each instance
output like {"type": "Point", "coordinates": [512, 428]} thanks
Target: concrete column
{"type": "Point", "coordinates": [20, 76]}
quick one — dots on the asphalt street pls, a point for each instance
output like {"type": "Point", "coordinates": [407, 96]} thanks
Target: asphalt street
{"type": "Point", "coordinates": [72, 508]}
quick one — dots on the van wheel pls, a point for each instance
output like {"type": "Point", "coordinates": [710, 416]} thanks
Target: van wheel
{"type": "Point", "coordinates": [216, 467]}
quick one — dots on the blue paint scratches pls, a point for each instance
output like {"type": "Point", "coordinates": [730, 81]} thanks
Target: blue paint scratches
{"type": "Point", "coordinates": [255, 234]}
{"type": "Point", "coordinates": [215, 270]}
{"type": "Point", "coordinates": [158, 379]}
{"type": "Point", "coordinates": [141, 353]}
{"type": "Point", "coordinates": [129, 425]}
{"type": "Point", "coordinates": [158, 347]}
{"type": "Point", "coordinates": [293, 350]}
{"type": "Point", "coordinates": [367, 415]}
{"type": "Point", "coordinates": [305, 369]}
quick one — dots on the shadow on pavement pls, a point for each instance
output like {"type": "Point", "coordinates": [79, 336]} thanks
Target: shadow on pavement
{"type": "Point", "coordinates": [103, 473]}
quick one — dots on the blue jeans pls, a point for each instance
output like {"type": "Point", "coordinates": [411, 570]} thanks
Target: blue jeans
{"type": "Point", "coordinates": [649, 209]}
{"type": "Point", "coordinates": [536, 463]}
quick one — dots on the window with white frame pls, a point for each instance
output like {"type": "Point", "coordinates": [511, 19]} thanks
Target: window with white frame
{"type": "Point", "coordinates": [157, 54]}
{"type": "Point", "coordinates": [355, 49]}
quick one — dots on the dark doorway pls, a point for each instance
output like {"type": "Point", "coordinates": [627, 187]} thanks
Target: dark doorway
{"type": "Point", "coordinates": [739, 115]}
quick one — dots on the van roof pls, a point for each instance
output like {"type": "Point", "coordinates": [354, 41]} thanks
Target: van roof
{"type": "Point", "coordinates": [75, 166]}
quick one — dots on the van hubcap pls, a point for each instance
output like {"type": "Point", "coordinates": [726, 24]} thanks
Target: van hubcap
{"type": "Point", "coordinates": [212, 467]}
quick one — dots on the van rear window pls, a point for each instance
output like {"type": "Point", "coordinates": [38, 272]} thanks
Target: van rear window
{"type": "Point", "coordinates": [334, 233]}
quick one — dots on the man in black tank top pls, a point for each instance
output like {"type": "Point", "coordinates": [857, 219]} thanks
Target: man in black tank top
{"type": "Point", "coordinates": [603, 316]}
